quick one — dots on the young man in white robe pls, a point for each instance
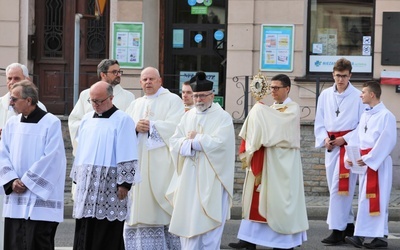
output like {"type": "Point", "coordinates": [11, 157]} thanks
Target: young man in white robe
{"type": "Point", "coordinates": [338, 112]}
{"type": "Point", "coordinates": [274, 208]}
{"type": "Point", "coordinates": [156, 115]}
{"type": "Point", "coordinates": [105, 168]}
{"type": "Point", "coordinates": [203, 151]}
{"type": "Point", "coordinates": [376, 138]}
{"type": "Point", "coordinates": [32, 167]}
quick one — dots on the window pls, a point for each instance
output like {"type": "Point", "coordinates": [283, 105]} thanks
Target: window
{"type": "Point", "coordinates": [340, 29]}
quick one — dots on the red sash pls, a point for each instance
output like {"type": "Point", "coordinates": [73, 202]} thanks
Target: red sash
{"type": "Point", "coordinates": [344, 173]}
{"type": "Point", "coordinates": [372, 190]}
{"type": "Point", "coordinates": [257, 162]}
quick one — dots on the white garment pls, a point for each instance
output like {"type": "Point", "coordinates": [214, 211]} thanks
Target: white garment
{"type": "Point", "coordinates": [261, 234]}
{"type": "Point", "coordinates": [349, 103]}
{"type": "Point", "coordinates": [149, 205]}
{"type": "Point", "coordinates": [122, 99]}
{"type": "Point", "coordinates": [380, 136]}
{"type": "Point", "coordinates": [281, 199]}
{"type": "Point", "coordinates": [106, 158]}
{"type": "Point", "coordinates": [34, 153]}
{"type": "Point", "coordinates": [197, 198]}
{"type": "Point", "coordinates": [212, 239]}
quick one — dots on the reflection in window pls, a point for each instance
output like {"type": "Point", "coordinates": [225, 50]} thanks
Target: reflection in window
{"type": "Point", "coordinates": [340, 27]}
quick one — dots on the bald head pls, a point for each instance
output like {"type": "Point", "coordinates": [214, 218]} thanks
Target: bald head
{"type": "Point", "coordinates": [101, 95]}
{"type": "Point", "coordinates": [150, 80]}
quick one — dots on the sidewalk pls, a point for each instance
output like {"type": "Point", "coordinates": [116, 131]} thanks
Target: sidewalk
{"type": "Point", "coordinates": [317, 206]}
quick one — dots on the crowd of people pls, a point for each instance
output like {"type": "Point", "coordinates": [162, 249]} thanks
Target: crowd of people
{"type": "Point", "coordinates": [157, 172]}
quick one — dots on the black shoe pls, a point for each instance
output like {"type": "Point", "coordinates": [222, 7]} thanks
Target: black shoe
{"type": "Point", "coordinates": [355, 241]}
{"type": "Point", "coordinates": [242, 244]}
{"type": "Point", "coordinates": [336, 237]}
{"type": "Point", "coordinates": [282, 248]}
{"type": "Point", "coordinates": [349, 231]}
{"type": "Point", "coordinates": [376, 243]}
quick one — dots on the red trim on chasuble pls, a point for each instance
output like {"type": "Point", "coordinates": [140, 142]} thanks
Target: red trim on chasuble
{"type": "Point", "coordinates": [257, 162]}
{"type": "Point", "coordinates": [344, 173]}
{"type": "Point", "coordinates": [372, 189]}
{"type": "Point", "coordinates": [256, 166]}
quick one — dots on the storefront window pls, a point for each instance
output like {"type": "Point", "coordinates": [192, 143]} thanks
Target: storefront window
{"type": "Point", "coordinates": [341, 29]}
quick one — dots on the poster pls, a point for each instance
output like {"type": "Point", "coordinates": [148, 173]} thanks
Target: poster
{"type": "Point", "coordinates": [276, 51]}
{"type": "Point", "coordinates": [127, 44]}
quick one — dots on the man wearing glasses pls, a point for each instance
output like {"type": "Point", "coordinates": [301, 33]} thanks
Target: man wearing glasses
{"type": "Point", "coordinates": [104, 170]}
{"type": "Point", "coordinates": [109, 71]}
{"type": "Point", "coordinates": [274, 208]}
{"type": "Point", "coordinates": [156, 115]}
{"type": "Point", "coordinates": [32, 167]}
{"type": "Point", "coordinates": [338, 113]}
{"type": "Point", "coordinates": [203, 150]}
{"type": "Point", "coordinates": [15, 72]}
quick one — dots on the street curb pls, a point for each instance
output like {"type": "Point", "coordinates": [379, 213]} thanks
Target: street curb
{"type": "Point", "coordinates": [313, 212]}
{"type": "Point", "coordinates": [318, 213]}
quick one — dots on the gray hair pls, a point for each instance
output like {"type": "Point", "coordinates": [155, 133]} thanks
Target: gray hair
{"type": "Point", "coordinates": [24, 69]}
{"type": "Point", "coordinates": [104, 65]}
{"type": "Point", "coordinates": [28, 89]}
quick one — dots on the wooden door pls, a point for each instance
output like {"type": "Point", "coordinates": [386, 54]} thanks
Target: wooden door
{"type": "Point", "coordinates": [54, 50]}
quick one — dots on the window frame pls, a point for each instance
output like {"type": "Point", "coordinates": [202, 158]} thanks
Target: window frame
{"type": "Point", "coordinates": [355, 75]}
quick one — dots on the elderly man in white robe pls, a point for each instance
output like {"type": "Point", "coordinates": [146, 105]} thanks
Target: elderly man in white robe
{"type": "Point", "coordinates": [32, 172]}
{"type": "Point", "coordinates": [203, 150]}
{"type": "Point", "coordinates": [105, 168]}
{"type": "Point", "coordinates": [274, 208]}
{"type": "Point", "coordinates": [338, 112]}
{"type": "Point", "coordinates": [376, 139]}
{"type": "Point", "coordinates": [156, 115]}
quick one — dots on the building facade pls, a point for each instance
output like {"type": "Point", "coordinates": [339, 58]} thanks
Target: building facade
{"type": "Point", "coordinates": [231, 40]}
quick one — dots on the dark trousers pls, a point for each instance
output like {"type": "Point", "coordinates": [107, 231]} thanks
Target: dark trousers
{"type": "Point", "coordinates": [94, 234]}
{"type": "Point", "coordinates": [21, 234]}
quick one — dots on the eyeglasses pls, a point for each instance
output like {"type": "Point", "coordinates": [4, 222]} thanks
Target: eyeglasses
{"type": "Point", "coordinates": [201, 96]}
{"type": "Point", "coordinates": [97, 102]}
{"type": "Point", "coordinates": [14, 99]}
{"type": "Point", "coordinates": [276, 88]}
{"type": "Point", "coordinates": [341, 76]}
{"type": "Point", "coordinates": [115, 72]}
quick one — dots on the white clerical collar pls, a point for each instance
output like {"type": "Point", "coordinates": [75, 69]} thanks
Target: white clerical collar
{"type": "Point", "coordinates": [286, 101]}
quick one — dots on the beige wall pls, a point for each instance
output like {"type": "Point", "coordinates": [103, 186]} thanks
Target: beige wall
{"type": "Point", "coordinates": [243, 42]}
{"type": "Point", "coordinates": [9, 38]}
{"type": "Point", "coordinates": [244, 29]}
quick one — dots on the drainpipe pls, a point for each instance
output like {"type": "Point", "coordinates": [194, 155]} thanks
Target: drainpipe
{"type": "Point", "coordinates": [76, 55]}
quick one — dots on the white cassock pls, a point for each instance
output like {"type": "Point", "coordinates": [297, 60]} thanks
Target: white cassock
{"type": "Point", "coordinates": [6, 112]}
{"type": "Point", "coordinates": [150, 210]}
{"type": "Point", "coordinates": [109, 150]}
{"type": "Point", "coordinates": [122, 99]}
{"type": "Point", "coordinates": [204, 189]}
{"type": "Point", "coordinates": [34, 153]}
{"type": "Point", "coordinates": [281, 192]}
{"type": "Point", "coordinates": [327, 119]}
{"type": "Point", "coordinates": [377, 131]}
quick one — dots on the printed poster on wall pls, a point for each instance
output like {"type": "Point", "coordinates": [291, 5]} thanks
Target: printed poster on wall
{"type": "Point", "coordinates": [127, 44]}
{"type": "Point", "coordinates": [276, 51]}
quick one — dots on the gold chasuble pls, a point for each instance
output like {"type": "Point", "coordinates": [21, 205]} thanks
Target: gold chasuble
{"type": "Point", "coordinates": [281, 198]}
